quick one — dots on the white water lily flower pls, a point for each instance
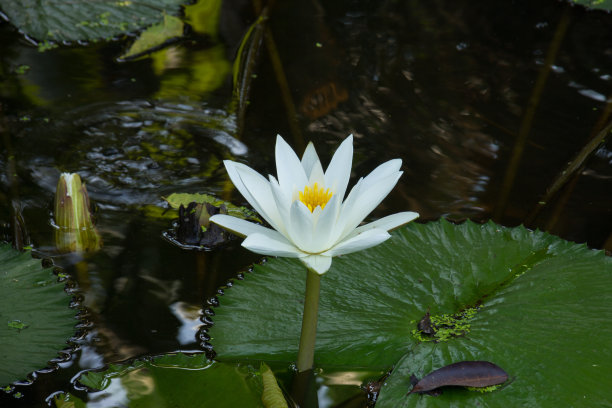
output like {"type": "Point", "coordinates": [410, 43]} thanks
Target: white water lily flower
{"type": "Point", "coordinates": [306, 207]}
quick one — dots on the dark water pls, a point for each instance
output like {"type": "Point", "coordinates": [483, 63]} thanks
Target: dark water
{"type": "Point", "coordinates": [485, 102]}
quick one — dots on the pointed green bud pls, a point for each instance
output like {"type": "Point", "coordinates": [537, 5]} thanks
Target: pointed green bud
{"type": "Point", "coordinates": [75, 228]}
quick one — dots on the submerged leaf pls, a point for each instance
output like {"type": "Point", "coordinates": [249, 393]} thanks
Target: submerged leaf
{"type": "Point", "coordinates": [68, 401]}
{"type": "Point", "coordinates": [175, 200]}
{"type": "Point", "coordinates": [156, 36]}
{"type": "Point", "coordinates": [595, 4]}
{"type": "Point", "coordinates": [272, 396]}
{"type": "Point", "coordinates": [194, 230]}
{"type": "Point", "coordinates": [463, 373]}
{"type": "Point", "coordinates": [174, 381]}
{"type": "Point", "coordinates": [194, 227]}
{"type": "Point", "coordinates": [203, 16]}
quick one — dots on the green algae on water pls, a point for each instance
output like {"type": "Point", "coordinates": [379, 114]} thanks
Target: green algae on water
{"type": "Point", "coordinates": [446, 326]}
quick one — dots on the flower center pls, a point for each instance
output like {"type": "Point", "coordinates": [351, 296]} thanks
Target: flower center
{"type": "Point", "coordinates": [315, 197]}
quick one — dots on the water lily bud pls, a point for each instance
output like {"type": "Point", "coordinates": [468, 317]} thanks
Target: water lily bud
{"type": "Point", "coordinates": [75, 228]}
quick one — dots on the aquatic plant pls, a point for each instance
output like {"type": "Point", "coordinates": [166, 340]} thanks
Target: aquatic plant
{"type": "Point", "coordinates": [310, 217]}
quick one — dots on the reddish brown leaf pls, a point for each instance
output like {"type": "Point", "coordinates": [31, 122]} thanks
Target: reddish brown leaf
{"type": "Point", "coordinates": [463, 373]}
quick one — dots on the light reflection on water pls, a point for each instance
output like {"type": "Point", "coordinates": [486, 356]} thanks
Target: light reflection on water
{"type": "Point", "coordinates": [132, 153]}
{"type": "Point", "coordinates": [443, 85]}
{"type": "Point", "coordinates": [189, 316]}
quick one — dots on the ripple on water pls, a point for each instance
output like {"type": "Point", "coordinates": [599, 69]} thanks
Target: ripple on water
{"type": "Point", "coordinates": [133, 152]}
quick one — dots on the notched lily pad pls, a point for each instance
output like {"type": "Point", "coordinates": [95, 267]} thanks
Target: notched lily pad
{"type": "Point", "coordinates": [60, 20]}
{"type": "Point", "coordinates": [538, 297]}
{"type": "Point", "coordinates": [39, 322]}
{"type": "Point", "coordinates": [477, 374]}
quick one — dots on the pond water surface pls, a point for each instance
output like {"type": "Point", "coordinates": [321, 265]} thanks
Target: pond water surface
{"type": "Point", "coordinates": [485, 103]}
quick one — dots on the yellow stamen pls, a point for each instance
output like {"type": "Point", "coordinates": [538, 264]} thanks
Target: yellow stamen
{"type": "Point", "coordinates": [315, 197]}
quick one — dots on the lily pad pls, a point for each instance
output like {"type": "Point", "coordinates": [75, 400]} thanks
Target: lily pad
{"type": "Point", "coordinates": [538, 307]}
{"type": "Point", "coordinates": [60, 20]}
{"type": "Point", "coordinates": [36, 321]}
{"type": "Point", "coordinates": [172, 380]}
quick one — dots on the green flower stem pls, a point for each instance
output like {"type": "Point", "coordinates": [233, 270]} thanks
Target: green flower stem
{"type": "Point", "coordinates": [309, 322]}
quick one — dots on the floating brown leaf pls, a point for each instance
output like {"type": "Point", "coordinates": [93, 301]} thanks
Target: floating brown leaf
{"type": "Point", "coordinates": [463, 373]}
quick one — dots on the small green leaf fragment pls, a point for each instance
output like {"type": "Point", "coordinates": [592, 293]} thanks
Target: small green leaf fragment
{"type": "Point", "coordinates": [22, 69]}
{"type": "Point", "coordinates": [46, 46]}
{"type": "Point", "coordinates": [490, 388]}
{"type": "Point", "coordinates": [17, 324]}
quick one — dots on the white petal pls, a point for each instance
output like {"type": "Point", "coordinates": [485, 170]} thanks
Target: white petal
{"type": "Point", "coordinates": [339, 170]}
{"type": "Point", "coordinates": [289, 169]}
{"type": "Point", "coordinates": [312, 165]}
{"type": "Point", "coordinates": [318, 263]}
{"type": "Point", "coordinates": [370, 193]}
{"type": "Point", "coordinates": [283, 203]}
{"type": "Point", "coordinates": [237, 225]}
{"type": "Point", "coordinates": [309, 158]}
{"type": "Point", "coordinates": [271, 243]}
{"type": "Point", "coordinates": [261, 197]}
{"type": "Point", "coordinates": [323, 237]}
{"type": "Point", "coordinates": [382, 172]}
{"type": "Point", "coordinates": [344, 215]}
{"type": "Point", "coordinates": [361, 241]}
{"type": "Point", "coordinates": [232, 170]}
{"type": "Point", "coordinates": [387, 223]}
{"type": "Point", "coordinates": [317, 175]}
{"type": "Point", "coordinates": [254, 189]}
{"type": "Point", "coordinates": [300, 227]}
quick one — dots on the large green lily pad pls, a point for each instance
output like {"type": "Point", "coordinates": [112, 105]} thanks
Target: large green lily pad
{"type": "Point", "coordinates": [172, 380]}
{"type": "Point", "coordinates": [36, 321]}
{"type": "Point", "coordinates": [61, 20]}
{"type": "Point", "coordinates": [534, 304]}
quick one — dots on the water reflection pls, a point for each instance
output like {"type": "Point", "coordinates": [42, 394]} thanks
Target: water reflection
{"type": "Point", "coordinates": [115, 395]}
{"type": "Point", "coordinates": [189, 316]}
{"type": "Point", "coordinates": [132, 153]}
{"type": "Point", "coordinates": [444, 85]}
